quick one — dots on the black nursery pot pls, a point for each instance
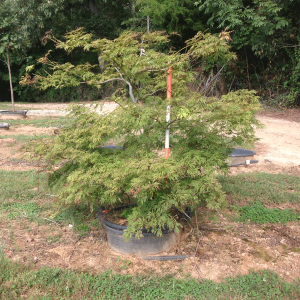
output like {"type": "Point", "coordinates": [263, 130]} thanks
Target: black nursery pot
{"type": "Point", "coordinates": [13, 115]}
{"type": "Point", "coordinates": [4, 126]}
{"type": "Point", "coordinates": [147, 245]}
{"type": "Point", "coordinates": [239, 156]}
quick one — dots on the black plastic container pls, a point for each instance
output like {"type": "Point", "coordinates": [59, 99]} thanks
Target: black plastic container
{"type": "Point", "coordinates": [12, 115]}
{"type": "Point", "coordinates": [147, 245]}
{"type": "Point", "coordinates": [4, 126]}
{"type": "Point", "coordinates": [240, 156]}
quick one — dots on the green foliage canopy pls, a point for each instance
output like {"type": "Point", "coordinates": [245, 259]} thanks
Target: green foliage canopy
{"type": "Point", "coordinates": [180, 16]}
{"type": "Point", "coordinates": [22, 23]}
{"type": "Point", "coordinates": [254, 23]}
{"type": "Point", "coordinates": [203, 130]}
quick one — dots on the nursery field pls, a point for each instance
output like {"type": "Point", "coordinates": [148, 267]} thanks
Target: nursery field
{"type": "Point", "coordinates": [259, 229]}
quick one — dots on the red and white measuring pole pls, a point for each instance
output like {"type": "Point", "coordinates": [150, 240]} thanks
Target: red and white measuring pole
{"type": "Point", "coordinates": [169, 96]}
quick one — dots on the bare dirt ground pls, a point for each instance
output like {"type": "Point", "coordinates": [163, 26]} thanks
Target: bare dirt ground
{"type": "Point", "coordinates": [221, 249]}
{"type": "Point", "coordinates": [278, 147]}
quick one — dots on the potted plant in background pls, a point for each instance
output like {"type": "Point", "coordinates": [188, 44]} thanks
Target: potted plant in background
{"type": "Point", "coordinates": [203, 129]}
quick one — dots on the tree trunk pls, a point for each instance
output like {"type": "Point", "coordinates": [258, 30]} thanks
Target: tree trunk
{"type": "Point", "coordinates": [93, 7]}
{"type": "Point", "coordinates": [148, 24]}
{"type": "Point", "coordinates": [10, 84]}
{"type": "Point", "coordinates": [248, 77]}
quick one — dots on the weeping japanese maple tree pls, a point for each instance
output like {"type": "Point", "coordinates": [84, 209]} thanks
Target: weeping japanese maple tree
{"type": "Point", "coordinates": [203, 129]}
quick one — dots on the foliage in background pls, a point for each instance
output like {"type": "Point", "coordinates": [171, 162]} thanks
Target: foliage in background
{"type": "Point", "coordinates": [203, 129]}
{"type": "Point", "coordinates": [21, 24]}
{"type": "Point", "coordinates": [265, 38]}
{"type": "Point", "coordinates": [254, 24]}
{"type": "Point", "coordinates": [177, 16]}
{"type": "Point", "coordinates": [24, 24]}
{"type": "Point", "coordinates": [264, 34]}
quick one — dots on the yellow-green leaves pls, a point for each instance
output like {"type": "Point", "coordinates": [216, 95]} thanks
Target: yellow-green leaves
{"type": "Point", "coordinates": [202, 129]}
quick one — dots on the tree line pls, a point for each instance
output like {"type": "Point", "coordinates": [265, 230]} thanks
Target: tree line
{"type": "Point", "coordinates": [264, 35]}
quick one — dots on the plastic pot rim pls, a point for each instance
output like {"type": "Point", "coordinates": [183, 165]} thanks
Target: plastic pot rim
{"type": "Point", "coordinates": [11, 112]}
{"type": "Point", "coordinates": [4, 125]}
{"type": "Point", "coordinates": [119, 229]}
{"type": "Point", "coordinates": [240, 152]}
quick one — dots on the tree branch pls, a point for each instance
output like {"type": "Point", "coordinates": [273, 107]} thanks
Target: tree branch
{"type": "Point", "coordinates": [129, 85]}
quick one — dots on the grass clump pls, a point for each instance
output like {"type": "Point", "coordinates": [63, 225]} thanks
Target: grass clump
{"type": "Point", "coordinates": [29, 209]}
{"type": "Point", "coordinates": [46, 283]}
{"type": "Point", "coordinates": [257, 213]}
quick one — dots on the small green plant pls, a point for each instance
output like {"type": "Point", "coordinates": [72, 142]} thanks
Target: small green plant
{"type": "Point", "coordinates": [295, 249]}
{"type": "Point", "coordinates": [125, 264]}
{"type": "Point", "coordinates": [28, 209]}
{"type": "Point", "coordinates": [96, 224]}
{"type": "Point", "coordinates": [83, 228]}
{"type": "Point", "coordinates": [257, 213]}
{"type": "Point", "coordinates": [54, 239]}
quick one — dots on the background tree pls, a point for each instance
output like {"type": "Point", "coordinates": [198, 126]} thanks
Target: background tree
{"type": "Point", "coordinates": [177, 16]}
{"type": "Point", "coordinates": [20, 26]}
{"type": "Point", "coordinates": [9, 42]}
{"type": "Point", "coordinates": [260, 29]}
{"type": "Point", "coordinates": [265, 36]}
{"type": "Point", "coordinates": [32, 19]}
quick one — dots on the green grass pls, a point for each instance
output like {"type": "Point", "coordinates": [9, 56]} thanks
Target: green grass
{"type": "Point", "coordinates": [257, 213]}
{"type": "Point", "coordinates": [18, 194]}
{"type": "Point", "coordinates": [42, 122]}
{"type": "Point", "coordinates": [17, 209]}
{"type": "Point", "coordinates": [20, 185]}
{"type": "Point", "coordinates": [79, 216]}
{"type": "Point", "coordinates": [263, 187]}
{"type": "Point", "coordinates": [18, 190]}
{"type": "Point", "coordinates": [5, 106]}
{"type": "Point", "coordinates": [23, 137]}
{"type": "Point", "coordinates": [19, 197]}
{"type": "Point", "coordinates": [17, 281]}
